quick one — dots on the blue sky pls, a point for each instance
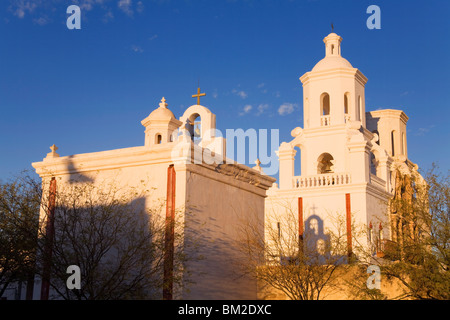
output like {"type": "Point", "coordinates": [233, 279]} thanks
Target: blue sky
{"type": "Point", "coordinates": [87, 90]}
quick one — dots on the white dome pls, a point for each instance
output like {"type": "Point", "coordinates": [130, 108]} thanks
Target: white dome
{"type": "Point", "coordinates": [333, 58]}
{"type": "Point", "coordinates": [161, 113]}
{"type": "Point", "coordinates": [332, 62]}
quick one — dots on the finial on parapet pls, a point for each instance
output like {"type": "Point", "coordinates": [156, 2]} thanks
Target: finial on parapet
{"type": "Point", "coordinates": [258, 166]}
{"type": "Point", "coordinates": [53, 154]}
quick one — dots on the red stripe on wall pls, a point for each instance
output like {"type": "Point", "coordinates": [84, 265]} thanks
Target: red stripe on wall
{"type": "Point", "coordinates": [49, 233]}
{"type": "Point", "coordinates": [349, 224]}
{"type": "Point", "coordinates": [169, 234]}
{"type": "Point", "coordinates": [300, 218]}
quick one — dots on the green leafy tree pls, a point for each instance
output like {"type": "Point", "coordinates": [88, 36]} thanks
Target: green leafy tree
{"type": "Point", "coordinates": [421, 230]}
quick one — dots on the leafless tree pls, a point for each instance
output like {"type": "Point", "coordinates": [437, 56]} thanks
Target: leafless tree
{"type": "Point", "coordinates": [19, 212]}
{"type": "Point", "coordinates": [111, 233]}
{"type": "Point", "coordinates": [302, 266]}
{"type": "Point", "coordinates": [116, 240]}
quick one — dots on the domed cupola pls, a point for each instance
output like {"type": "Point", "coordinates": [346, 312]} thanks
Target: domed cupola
{"type": "Point", "coordinates": [160, 125]}
{"type": "Point", "coordinates": [333, 58]}
{"type": "Point", "coordinates": [333, 91]}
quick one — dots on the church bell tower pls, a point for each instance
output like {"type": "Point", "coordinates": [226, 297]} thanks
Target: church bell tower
{"type": "Point", "coordinates": [333, 91]}
{"type": "Point", "coordinates": [160, 126]}
{"type": "Point", "coordinates": [333, 100]}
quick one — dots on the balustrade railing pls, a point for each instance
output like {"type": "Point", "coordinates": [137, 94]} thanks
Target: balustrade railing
{"type": "Point", "coordinates": [325, 121]}
{"type": "Point", "coordinates": [322, 180]}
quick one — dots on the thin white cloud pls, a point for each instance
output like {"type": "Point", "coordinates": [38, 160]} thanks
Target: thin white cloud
{"type": "Point", "coordinates": [262, 87]}
{"type": "Point", "coordinates": [21, 7]}
{"type": "Point", "coordinates": [140, 7]}
{"type": "Point", "coordinates": [126, 7]}
{"type": "Point", "coordinates": [41, 21]}
{"type": "Point", "coordinates": [246, 110]}
{"type": "Point", "coordinates": [424, 130]}
{"type": "Point", "coordinates": [137, 49]}
{"type": "Point", "coordinates": [109, 16]}
{"type": "Point", "coordinates": [262, 108]}
{"type": "Point", "coordinates": [286, 108]}
{"type": "Point", "coordinates": [240, 93]}
{"type": "Point", "coordinates": [24, 8]}
{"type": "Point", "coordinates": [153, 37]}
{"type": "Point", "coordinates": [88, 5]}
{"type": "Point", "coordinates": [405, 93]}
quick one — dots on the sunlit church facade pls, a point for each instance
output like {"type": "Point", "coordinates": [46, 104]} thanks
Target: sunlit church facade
{"type": "Point", "coordinates": [349, 159]}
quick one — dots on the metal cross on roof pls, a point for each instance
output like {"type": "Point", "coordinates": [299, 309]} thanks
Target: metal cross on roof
{"type": "Point", "coordinates": [198, 95]}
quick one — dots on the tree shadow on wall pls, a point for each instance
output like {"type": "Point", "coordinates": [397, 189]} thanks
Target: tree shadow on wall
{"type": "Point", "coordinates": [75, 176]}
{"type": "Point", "coordinates": [215, 275]}
{"type": "Point", "coordinates": [118, 246]}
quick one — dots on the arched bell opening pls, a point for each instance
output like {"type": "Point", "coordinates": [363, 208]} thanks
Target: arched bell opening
{"type": "Point", "coordinates": [325, 163]}
{"type": "Point", "coordinates": [195, 127]}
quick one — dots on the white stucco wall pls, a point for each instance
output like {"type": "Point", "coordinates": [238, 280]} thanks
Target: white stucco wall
{"type": "Point", "coordinates": [219, 205]}
{"type": "Point", "coordinates": [217, 196]}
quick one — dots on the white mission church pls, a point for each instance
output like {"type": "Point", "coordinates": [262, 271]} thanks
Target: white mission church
{"type": "Point", "coordinates": [348, 157]}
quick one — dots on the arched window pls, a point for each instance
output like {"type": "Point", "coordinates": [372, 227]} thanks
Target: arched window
{"type": "Point", "coordinates": [332, 49]}
{"type": "Point", "coordinates": [325, 109]}
{"type": "Point", "coordinates": [393, 142]}
{"type": "Point", "coordinates": [373, 164]}
{"type": "Point", "coordinates": [403, 144]}
{"type": "Point", "coordinates": [346, 103]}
{"type": "Point", "coordinates": [298, 161]}
{"type": "Point", "coordinates": [359, 111]}
{"type": "Point", "coordinates": [158, 139]}
{"type": "Point", "coordinates": [346, 107]}
{"type": "Point", "coordinates": [325, 163]}
{"type": "Point", "coordinates": [325, 104]}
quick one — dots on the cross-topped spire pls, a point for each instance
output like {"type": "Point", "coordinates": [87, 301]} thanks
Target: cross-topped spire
{"type": "Point", "coordinates": [198, 95]}
{"type": "Point", "coordinates": [54, 148]}
{"type": "Point", "coordinates": [163, 103]}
